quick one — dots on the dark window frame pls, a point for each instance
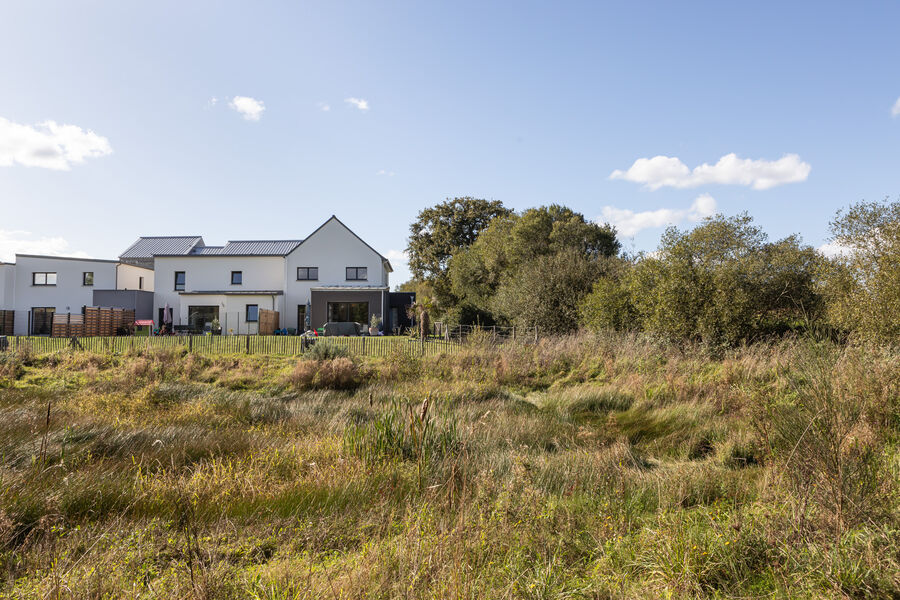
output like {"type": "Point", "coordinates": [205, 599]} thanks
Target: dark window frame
{"type": "Point", "coordinates": [46, 275]}
{"type": "Point", "coordinates": [84, 275]}
{"type": "Point", "coordinates": [240, 275]}
{"type": "Point", "coordinates": [309, 274]}
{"type": "Point", "coordinates": [356, 271]}
{"type": "Point", "coordinates": [140, 283]}
{"type": "Point", "coordinates": [247, 313]}
{"type": "Point", "coordinates": [347, 311]}
{"type": "Point", "coordinates": [183, 280]}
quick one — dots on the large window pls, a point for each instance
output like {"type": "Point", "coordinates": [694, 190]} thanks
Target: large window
{"type": "Point", "coordinates": [42, 320]}
{"type": "Point", "coordinates": [87, 278]}
{"type": "Point", "coordinates": [252, 313]}
{"type": "Point", "coordinates": [237, 277]}
{"type": "Point", "coordinates": [357, 273]}
{"type": "Point", "coordinates": [307, 273]}
{"type": "Point", "coordinates": [43, 278]}
{"type": "Point", "coordinates": [200, 318]}
{"type": "Point", "coordinates": [179, 280]}
{"type": "Point", "coordinates": [348, 312]}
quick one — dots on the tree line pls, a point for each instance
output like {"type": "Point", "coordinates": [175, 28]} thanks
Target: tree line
{"type": "Point", "coordinates": [476, 261]}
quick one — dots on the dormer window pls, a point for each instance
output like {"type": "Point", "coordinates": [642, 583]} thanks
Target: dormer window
{"type": "Point", "coordinates": [357, 273]}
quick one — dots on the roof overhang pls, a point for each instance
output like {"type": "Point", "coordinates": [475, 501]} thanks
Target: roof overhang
{"type": "Point", "coordinates": [232, 293]}
{"type": "Point", "coordinates": [350, 288]}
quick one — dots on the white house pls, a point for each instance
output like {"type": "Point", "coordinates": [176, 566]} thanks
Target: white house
{"type": "Point", "coordinates": [333, 271]}
{"type": "Point", "coordinates": [333, 275]}
{"type": "Point", "coordinates": [48, 284]}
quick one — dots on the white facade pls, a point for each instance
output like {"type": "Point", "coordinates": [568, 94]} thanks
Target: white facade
{"type": "Point", "coordinates": [7, 286]}
{"type": "Point", "coordinates": [212, 275]}
{"type": "Point", "coordinates": [69, 291]}
{"type": "Point", "coordinates": [331, 249]}
{"type": "Point", "coordinates": [229, 283]}
{"type": "Point", "coordinates": [131, 277]}
{"type": "Point", "coordinates": [267, 281]}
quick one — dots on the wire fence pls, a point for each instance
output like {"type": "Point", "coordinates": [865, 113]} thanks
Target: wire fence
{"type": "Point", "coordinates": [488, 333]}
{"type": "Point", "coordinates": [236, 344]}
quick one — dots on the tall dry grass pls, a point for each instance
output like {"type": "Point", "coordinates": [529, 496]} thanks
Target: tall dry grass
{"type": "Point", "coordinates": [582, 467]}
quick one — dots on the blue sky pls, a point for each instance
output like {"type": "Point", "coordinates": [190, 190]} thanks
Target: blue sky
{"type": "Point", "coordinates": [528, 103]}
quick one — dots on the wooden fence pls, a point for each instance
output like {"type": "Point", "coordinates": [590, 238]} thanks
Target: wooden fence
{"type": "Point", "coordinates": [237, 344]}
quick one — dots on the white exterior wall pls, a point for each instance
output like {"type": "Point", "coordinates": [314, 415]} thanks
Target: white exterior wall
{"type": "Point", "coordinates": [232, 309]}
{"type": "Point", "coordinates": [213, 273]}
{"type": "Point", "coordinates": [68, 295]}
{"type": "Point", "coordinates": [332, 249]}
{"type": "Point", "coordinates": [7, 286]}
{"type": "Point", "coordinates": [128, 277]}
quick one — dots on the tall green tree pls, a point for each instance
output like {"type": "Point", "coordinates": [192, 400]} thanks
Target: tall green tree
{"type": "Point", "coordinates": [722, 282]}
{"type": "Point", "coordinates": [440, 232]}
{"type": "Point", "coordinates": [507, 252]}
{"type": "Point", "coordinates": [863, 280]}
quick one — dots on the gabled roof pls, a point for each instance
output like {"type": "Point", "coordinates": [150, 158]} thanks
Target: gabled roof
{"type": "Point", "coordinates": [148, 247]}
{"type": "Point", "coordinates": [386, 262]}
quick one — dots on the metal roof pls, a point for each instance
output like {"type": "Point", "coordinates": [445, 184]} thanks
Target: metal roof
{"type": "Point", "coordinates": [148, 247]}
{"type": "Point", "coordinates": [259, 248]}
{"type": "Point", "coordinates": [205, 250]}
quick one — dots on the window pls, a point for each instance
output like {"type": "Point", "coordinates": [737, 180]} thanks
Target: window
{"type": "Point", "coordinates": [43, 278]}
{"type": "Point", "coordinates": [140, 283]}
{"type": "Point", "coordinates": [237, 277]}
{"type": "Point", "coordinates": [357, 273]}
{"type": "Point", "coordinates": [301, 317]}
{"type": "Point", "coordinates": [252, 313]}
{"type": "Point", "coordinates": [179, 280]}
{"type": "Point", "coordinates": [87, 278]}
{"type": "Point", "coordinates": [348, 312]}
{"type": "Point", "coordinates": [42, 320]}
{"type": "Point", "coordinates": [307, 273]}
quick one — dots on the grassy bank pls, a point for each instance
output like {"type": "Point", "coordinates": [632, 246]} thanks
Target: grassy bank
{"type": "Point", "coordinates": [582, 467]}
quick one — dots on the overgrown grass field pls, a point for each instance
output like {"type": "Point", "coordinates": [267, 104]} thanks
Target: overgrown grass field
{"type": "Point", "coordinates": [580, 467]}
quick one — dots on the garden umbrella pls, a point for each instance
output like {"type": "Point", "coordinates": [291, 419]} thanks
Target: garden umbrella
{"type": "Point", "coordinates": [307, 318]}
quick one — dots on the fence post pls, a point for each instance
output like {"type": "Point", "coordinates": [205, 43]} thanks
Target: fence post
{"type": "Point", "coordinates": [535, 334]}
{"type": "Point", "coordinates": [190, 343]}
{"type": "Point", "coordinates": [248, 343]}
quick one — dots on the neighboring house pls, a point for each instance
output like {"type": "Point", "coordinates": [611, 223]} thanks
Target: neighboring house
{"type": "Point", "coordinates": [45, 285]}
{"type": "Point", "coordinates": [333, 271]}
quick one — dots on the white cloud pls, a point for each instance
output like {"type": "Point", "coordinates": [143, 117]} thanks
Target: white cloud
{"type": "Point", "coordinates": [398, 256]}
{"type": "Point", "coordinates": [24, 242]}
{"type": "Point", "coordinates": [48, 145]}
{"type": "Point", "coordinates": [324, 107]}
{"type": "Point", "coordinates": [250, 108]}
{"type": "Point", "coordinates": [895, 110]}
{"type": "Point", "coordinates": [387, 173]}
{"type": "Point", "coordinates": [834, 249]}
{"type": "Point", "coordinates": [629, 223]}
{"type": "Point", "coordinates": [212, 102]}
{"type": "Point", "coordinates": [358, 103]}
{"type": "Point", "coordinates": [761, 174]}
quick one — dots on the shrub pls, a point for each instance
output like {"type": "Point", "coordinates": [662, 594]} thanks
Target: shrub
{"type": "Point", "coordinates": [822, 440]}
{"type": "Point", "coordinates": [337, 374]}
{"type": "Point", "coordinates": [323, 350]}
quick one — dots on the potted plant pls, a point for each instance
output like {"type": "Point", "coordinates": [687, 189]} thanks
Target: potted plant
{"type": "Point", "coordinates": [374, 323]}
{"type": "Point", "coordinates": [215, 327]}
